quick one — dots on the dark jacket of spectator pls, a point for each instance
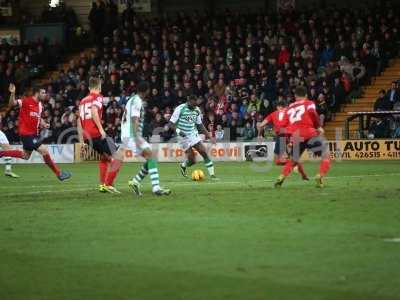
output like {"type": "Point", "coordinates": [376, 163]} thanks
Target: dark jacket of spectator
{"type": "Point", "coordinates": [383, 103]}
{"type": "Point", "coordinates": [393, 94]}
{"type": "Point", "coordinates": [327, 55]}
{"type": "Point", "coordinates": [339, 94]}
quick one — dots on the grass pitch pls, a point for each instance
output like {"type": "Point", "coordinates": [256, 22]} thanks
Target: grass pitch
{"type": "Point", "coordinates": [234, 239]}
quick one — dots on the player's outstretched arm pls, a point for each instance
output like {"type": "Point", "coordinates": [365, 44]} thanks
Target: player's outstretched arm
{"type": "Point", "coordinates": [80, 130]}
{"type": "Point", "coordinates": [172, 125]}
{"type": "Point", "coordinates": [261, 126]}
{"type": "Point", "coordinates": [84, 146]}
{"type": "Point", "coordinates": [96, 119]}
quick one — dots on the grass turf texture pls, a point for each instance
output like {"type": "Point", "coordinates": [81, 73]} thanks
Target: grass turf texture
{"type": "Point", "coordinates": [234, 239]}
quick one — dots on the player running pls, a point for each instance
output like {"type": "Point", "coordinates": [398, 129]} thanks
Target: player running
{"type": "Point", "coordinates": [132, 138]}
{"type": "Point", "coordinates": [277, 119]}
{"type": "Point", "coordinates": [186, 121]}
{"type": "Point", "coordinates": [30, 122]}
{"type": "Point", "coordinates": [91, 132]}
{"type": "Point", "coordinates": [304, 128]}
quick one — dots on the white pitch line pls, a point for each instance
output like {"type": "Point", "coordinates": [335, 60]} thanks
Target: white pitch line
{"type": "Point", "coordinates": [183, 182]}
{"type": "Point", "coordinates": [392, 240]}
{"type": "Point", "coordinates": [89, 187]}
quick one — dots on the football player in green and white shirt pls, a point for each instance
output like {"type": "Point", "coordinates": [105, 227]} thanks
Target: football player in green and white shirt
{"type": "Point", "coordinates": [132, 138]}
{"type": "Point", "coordinates": [187, 120]}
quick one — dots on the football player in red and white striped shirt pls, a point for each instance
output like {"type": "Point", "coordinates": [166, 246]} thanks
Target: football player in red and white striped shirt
{"type": "Point", "coordinates": [30, 122]}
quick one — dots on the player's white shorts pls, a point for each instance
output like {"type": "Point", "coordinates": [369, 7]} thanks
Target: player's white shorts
{"type": "Point", "coordinates": [137, 145]}
{"type": "Point", "coordinates": [3, 139]}
{"type": "Point", "coordinates": [189, 141]}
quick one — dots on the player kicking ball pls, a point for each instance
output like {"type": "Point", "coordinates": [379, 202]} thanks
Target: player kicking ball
{"type": "Point", "coordinates": [277, 119]}
{"type": "Point", "coordinates": [186, 121]}
{"type": "Point", "coordinates": [304, 128]}
{"type": "Point", "coordinates": [132, 139]}
{"type": "Point", "coordinates": [30, 122]}
{"type": "Point", "coordinates": [91, 132]}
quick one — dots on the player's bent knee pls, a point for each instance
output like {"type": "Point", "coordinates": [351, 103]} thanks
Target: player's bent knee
{"type": "Point", "coordinates": [43, 150]}
{"type": "Point", "coordinates": [119, 155]}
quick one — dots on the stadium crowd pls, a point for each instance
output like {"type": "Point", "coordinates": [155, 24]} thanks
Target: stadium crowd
{"type": "Point", "coordinates": [239, 66]}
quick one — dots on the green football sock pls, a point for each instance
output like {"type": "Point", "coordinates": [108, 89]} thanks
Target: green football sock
{"type": "Point", "coordinates": [142, 173]}
{"type": "Point", "coordinates": [187, 163]}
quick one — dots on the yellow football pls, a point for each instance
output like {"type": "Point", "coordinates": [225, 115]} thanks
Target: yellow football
{"type": "Point", "coordinates": [197, 175]}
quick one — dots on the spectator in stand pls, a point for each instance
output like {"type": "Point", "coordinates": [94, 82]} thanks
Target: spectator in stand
{"type": "Point", "coordinates": [327, 55]}
{"type": "Point", "coordinates": [219, 88]}
{"type": "Point", "coordinates": [382, 103]}
{"type": "Point", "coordinates": [284, 56]}
{"type": "Point", "coordinates": [339, 94]}
{"type": "Point", "coordinates": [393, 94]}
{"type": "Point", "coordinates": [358, 73]}
{"type": "Point", "coordinates": [346, 82]}
{"type": "Point", "coordinates": [221, 107]}
{"type": "Point", "coordinates": [396, 132]}
{"type": "Point", "coordinates": [379, 129]}
{"type": "Point", "coordinates": [96, 18]}
{"type": "Point", "coordinates": [233, 131]}
{"type": "Point", "coordinates": [111, 20]}
{"type": "Point", "coordinates": [377, 54]}
{"type": "Point", "coordinates": [254, 104]}
{"type": "Point", "coordinates": [248, 132]}
{"type": "Point", "coordinates": [322, 108]}
{"type": "Point", "coordinates": [211, 129]}
{"type": "Point", "coordinates": [396, 107]}
{"type": "Point", "coordinates": [219, 133]}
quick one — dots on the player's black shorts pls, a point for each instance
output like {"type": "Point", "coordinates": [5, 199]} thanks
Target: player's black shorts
{"type": "Point", "coordinates": [317, 145]}
{"type": "Point", "coordinates": [103, 146]}
{"type": "Point", "coordinates": [31, 142]}
{"type": "Point", "coordinates": [280, 144]}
